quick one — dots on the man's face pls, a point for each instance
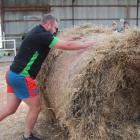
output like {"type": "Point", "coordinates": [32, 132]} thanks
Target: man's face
{"type": "Point", "coordinates": [54, 28]}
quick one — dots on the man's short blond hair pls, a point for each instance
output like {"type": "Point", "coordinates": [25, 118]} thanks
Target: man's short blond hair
{"type": "Point", "coordinates": [48, 17]}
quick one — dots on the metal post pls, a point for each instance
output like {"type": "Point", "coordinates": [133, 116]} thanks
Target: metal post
{"type": "Point", "coordinates": [1, 8]}
{"type": "Point", "coordinates": [73, 12]}
{"type": "Point", "coordinates": [14, 47]}
{"type": "Point", "coordinates": [137, 17]}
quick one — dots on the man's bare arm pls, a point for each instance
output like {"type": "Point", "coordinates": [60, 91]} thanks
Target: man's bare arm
{"type": "Point", "coordinates": [73, 45]}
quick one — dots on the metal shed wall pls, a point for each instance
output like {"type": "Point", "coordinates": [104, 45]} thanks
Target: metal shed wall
{"type": "Point", "coordinates": [21, 15]}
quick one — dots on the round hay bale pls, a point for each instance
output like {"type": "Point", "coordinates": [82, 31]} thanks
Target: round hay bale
{"type": "Point", "coordinates": [95, 93]}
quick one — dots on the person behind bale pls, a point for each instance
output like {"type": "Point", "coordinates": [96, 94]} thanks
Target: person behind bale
{"type": "Point", "coordinates": [125, 25]}
{"type": "Point", "coordinates": [114, 26]}
{"type": "Point", "coordinates": [120, 25]}
{"type": "Point", "coordinates": [21, 83]}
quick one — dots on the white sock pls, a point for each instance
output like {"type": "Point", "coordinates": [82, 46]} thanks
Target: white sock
{"type": "Point", "coordinates": [27, 135]}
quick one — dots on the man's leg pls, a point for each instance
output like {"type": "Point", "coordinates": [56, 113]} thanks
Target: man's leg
{"type": "Point", "coordinates": [34, 110]}
{"type": "Point", "coordinates": [10, 108]}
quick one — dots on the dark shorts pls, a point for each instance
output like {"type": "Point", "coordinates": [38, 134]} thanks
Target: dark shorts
{"type": "Point", "coordinates": [22, 87]}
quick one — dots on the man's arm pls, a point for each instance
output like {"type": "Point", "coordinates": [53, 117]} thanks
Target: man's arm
{"type": "Point", "coordinates": [73, 45]}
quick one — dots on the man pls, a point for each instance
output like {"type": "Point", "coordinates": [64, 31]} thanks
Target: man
{"type": "Point", "coordinates": [21, 85]}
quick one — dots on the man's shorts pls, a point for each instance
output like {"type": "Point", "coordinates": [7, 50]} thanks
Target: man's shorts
{"type": "Point", "coordinates": [23, 87]}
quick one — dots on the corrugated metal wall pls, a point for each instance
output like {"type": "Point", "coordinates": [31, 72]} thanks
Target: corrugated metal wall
{"type": "Point", "coordinates": [22, 15]}
{"type": "Point", "coordinates": [96, 11]}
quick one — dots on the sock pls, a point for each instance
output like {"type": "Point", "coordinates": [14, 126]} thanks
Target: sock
{"type": "Point", "coordinates": [27, 135]}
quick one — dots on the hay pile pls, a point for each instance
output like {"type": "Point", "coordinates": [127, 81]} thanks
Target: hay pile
{"type": "Point", "coordinates": [95, 93]}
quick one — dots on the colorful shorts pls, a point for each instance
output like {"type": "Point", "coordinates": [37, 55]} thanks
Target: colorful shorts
{"type": "Point", "coordinates": [22, 87]}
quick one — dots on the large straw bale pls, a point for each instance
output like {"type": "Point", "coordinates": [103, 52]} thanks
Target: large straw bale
{"type": "Point", "coordinates": [95, 93]}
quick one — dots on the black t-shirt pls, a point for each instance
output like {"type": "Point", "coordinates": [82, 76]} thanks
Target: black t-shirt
{"type": "Point", "coordinates": [33, 51]}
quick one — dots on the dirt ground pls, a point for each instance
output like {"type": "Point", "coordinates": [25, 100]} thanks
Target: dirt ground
{"type": "Point", "coordinates": [13, 126]}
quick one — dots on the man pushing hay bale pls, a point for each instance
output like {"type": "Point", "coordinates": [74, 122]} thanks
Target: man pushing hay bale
{"type": "Point", "coordinates": [95, 93]}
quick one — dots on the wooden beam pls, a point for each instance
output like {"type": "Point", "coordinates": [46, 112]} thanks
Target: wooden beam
{"type": "Point", "coordinates": [16, 8]}
{"type": "Point", "coordinates": [48, 7]}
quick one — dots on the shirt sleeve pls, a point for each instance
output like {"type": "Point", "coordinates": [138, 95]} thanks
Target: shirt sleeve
{"type": "Point", "coordinates": [49, 40]}
{"type": "Point", "coordinates": [53, 42]}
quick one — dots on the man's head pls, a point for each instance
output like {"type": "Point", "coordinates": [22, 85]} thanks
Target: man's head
{"type": "Point", "coordinates": [50, 23]}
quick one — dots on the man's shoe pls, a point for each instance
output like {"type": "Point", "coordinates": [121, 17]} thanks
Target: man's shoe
{"type": "Point", "coordinates": [32, 137]}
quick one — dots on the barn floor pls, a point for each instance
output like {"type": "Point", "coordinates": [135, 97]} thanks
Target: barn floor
{"type": "Point", "coordinates": [13, 126]}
